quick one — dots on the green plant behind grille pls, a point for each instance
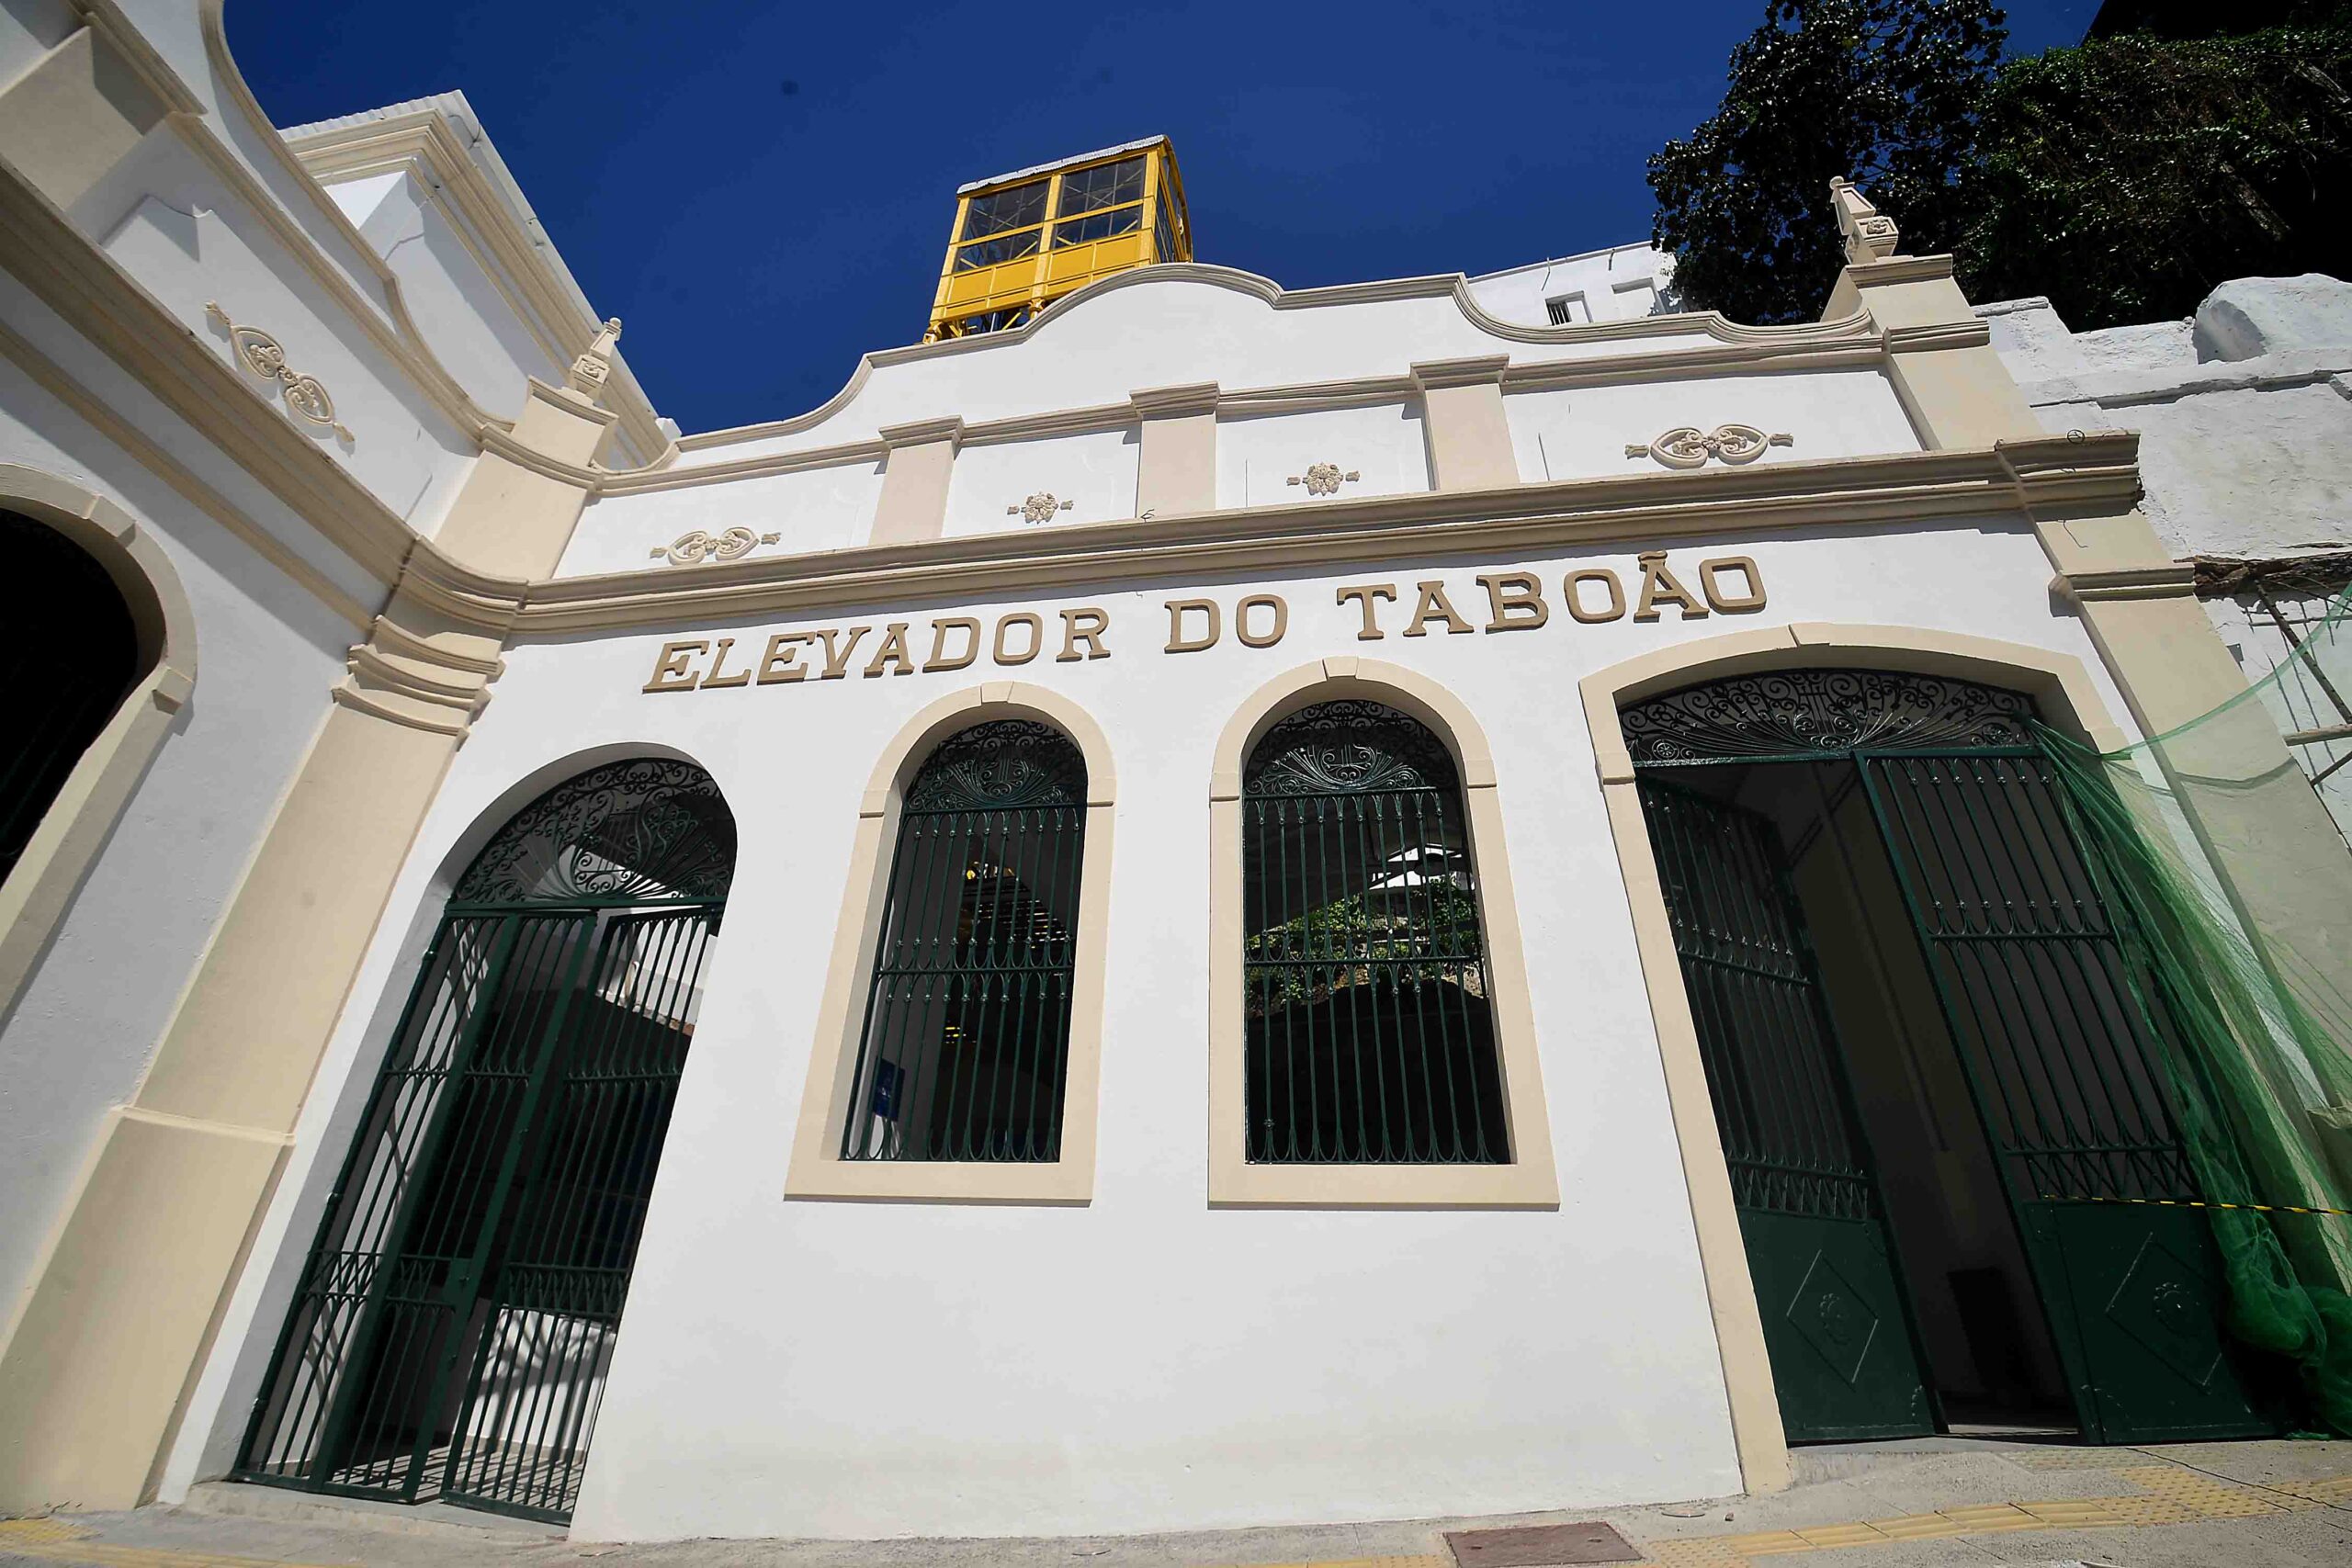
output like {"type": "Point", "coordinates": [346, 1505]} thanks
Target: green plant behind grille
{"type": "Point", "coordinates": [1370, 1039]}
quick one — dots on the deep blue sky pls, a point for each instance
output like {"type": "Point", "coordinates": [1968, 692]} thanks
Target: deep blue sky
{"type": "Point", "coordinates": [763, 192]}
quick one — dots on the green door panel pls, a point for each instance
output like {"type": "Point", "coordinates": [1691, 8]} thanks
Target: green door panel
{"type": "Point", "coordinates": [2064, 1054]}
{"type": "Point", "coordinates": [1836, 1327]}
{"type": "Point", "coordinates": [1836, 1321]}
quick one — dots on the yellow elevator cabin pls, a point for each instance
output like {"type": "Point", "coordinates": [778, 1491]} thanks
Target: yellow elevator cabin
{"type": "Point", "coordinates": [1023, 239]}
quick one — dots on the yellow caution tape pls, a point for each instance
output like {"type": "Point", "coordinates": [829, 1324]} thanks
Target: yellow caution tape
{"type": "Point", "coordinates": [2194, 1203]}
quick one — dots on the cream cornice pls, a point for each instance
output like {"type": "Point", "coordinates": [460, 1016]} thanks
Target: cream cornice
{"type": "Point", "coordinates": [1857, 351]}
{"type": "Point", "coordinates": [94, 295]}
{"type": "Point", "coordinates": [1856, 328]}
{"type": "Point", "coordinates": [2053, 477]}
{"type": "Point", "coordinates": [488, 228]}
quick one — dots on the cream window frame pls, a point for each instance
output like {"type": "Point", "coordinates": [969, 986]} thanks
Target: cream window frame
{"type": "Point", "coordinates": [1530, 1181]}
{"type": "Point", "coordinates": [2062, 689]}
{"type": "Point", "coordinates": [817, 1169]}
{"type": "Point", "coordinates": [41, 884]}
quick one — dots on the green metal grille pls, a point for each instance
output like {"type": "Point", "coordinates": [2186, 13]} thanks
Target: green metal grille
{"type": "Point", "coordinates": [2033, 975]}
{"type": "Point", "coordinates": [1780, 1093]}
{"type": "Point", "coordinates": [1366, 992]}
{"type": "Point", "coordinates": [965, 1041]}
{"type": "Point", "coordinates": [452, 1326]}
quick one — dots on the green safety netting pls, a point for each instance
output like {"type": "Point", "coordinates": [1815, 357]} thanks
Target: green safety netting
{"type": "Point", "coordinates": [2233, 884]}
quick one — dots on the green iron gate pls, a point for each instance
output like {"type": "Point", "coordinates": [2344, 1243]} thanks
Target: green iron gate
{"type": "Point", "coordinates": [452, 1326]}
{"type": "Point", "coordinates": [1836, 1318]}
{"type": "Point", "coordinates": [2062, 1044]}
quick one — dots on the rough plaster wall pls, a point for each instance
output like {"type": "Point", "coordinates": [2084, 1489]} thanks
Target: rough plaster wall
{"type": "Point", "coordinates": [2246, 457]}
{"type": "Point", "coordinates": [2247, 473]}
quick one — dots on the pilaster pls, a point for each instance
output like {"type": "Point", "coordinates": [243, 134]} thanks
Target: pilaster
{"type": "Point", "coordinates": [1176, 458]}
{"type": "Point", "coordinates": [915, 476]}
{"type": "Point", "coordinates": [1462, 409]}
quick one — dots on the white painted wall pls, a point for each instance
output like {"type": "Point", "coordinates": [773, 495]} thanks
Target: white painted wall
{"type": "Point", "coordinates": [859, 1369]}
{"type": "Point", "coordinates": [81, 1033]}
{"type": "Point", "coordinates": [1171, 326]}
{"type": "Point", "coordinates": [813, 509]}
{"type": "Point", "coordinates": [1615, 285]}
{"type": "Point", "coordinates": [1094, 473]}
{"type": "Point", "coordinates": [1582, 431]}
{"type": "Point", "coordinates": [1384, 445]}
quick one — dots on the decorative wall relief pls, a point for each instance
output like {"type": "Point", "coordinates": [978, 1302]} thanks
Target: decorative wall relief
{"type": "Point", "coordinates": [306, 397]}
{"type": "Point", "coordinates": [1323, 479]}
{"type": "Point", "coordinates": [1686, 446]}
{"type": "Point", "coordinates": [700, 546]}
{"type": "Point", "coordinates": [1039, 508]}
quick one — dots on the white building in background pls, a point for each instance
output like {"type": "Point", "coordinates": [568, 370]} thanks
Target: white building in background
{"type": "Point", "coordinates": [1166, 916]}
{"type": "Point", "coordinates": [2244, 418]}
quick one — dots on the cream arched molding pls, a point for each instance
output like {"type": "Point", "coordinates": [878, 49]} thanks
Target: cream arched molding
{"type": "Point", "coordinates": [2062, 689]}
{"type": "Point", "coordinates": [42, 883]}
{"type": "Point", "coordinates": [1530, 1181]}
{"type": "Point", "coordinates": [817, 1169]}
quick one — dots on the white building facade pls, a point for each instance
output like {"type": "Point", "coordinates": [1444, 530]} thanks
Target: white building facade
{"type": "Point", "coordinates": [521, 716]}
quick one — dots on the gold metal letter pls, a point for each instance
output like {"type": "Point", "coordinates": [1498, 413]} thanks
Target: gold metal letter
{"type": "Point", "coordinates": [893, 650]}
{"type": "Point", "coordinates": [1177, 641]}
{"type": "Point", "coordinates": [719, 662]}
{"type": "Point", "coordinates": [1086, 624]}
{"type": "Point", "coordinates": [837, 660]}
{"type": "Point", "coordinates": [1433, 605]}
{"type": "Point", "coordinates": [1607, 580]}
{"type": "Point", "coordinates": [670, 671]}
{"type": "Point", "coordinates": [1036, 637]}
{"type": "Point", "coordinates": [782, 661]}
{"type": "Point", "coordinates": [1709, 573]}
{"type": "Point", "coordinates": [1241, 620]}
{"type": "Point", "coordinates": [1658, 582]}
{"type": "Point", "coordinates": [939, 659]}
{"type": "Point", "coordinates": [1516, 600]}
{"type": "Point", "coordinates": [1363, 593]}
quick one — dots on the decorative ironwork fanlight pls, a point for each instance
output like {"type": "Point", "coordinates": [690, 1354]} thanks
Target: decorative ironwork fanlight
{"type": "Point", "coordinates": [1008, 763]}
{"type": "Point", "coordinates": [1347, 747]}
{"type": "Point", "coordinates": [644, 830]}
{"type": "Point", "coordinates": [1813, 713]}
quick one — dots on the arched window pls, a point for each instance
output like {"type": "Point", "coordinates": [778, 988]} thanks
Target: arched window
{"type": "Point", "coordinates": [1370, 1031]}
{"type": "Point", "coordinates": [451, 1329]}
{"type": "Point", "coordinates": [964, 1054]}
{"type": "Point", "coordinates": [68, 650]}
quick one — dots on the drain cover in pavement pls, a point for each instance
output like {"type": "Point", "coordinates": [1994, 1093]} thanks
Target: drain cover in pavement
{"type": "Point", "coordinates": [1540, 1546]}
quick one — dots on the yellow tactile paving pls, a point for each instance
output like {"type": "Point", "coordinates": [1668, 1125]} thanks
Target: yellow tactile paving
{"type": "Point", "coordinates": [2171, 1494]}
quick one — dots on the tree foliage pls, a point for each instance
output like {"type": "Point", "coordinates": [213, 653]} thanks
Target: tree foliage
{"type": "Point", "coordinates": [1885, 92]}
{"type": "Point", "coordinates": [2126, 177]}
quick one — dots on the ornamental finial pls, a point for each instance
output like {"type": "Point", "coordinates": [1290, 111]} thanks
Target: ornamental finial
{"type": "Point", "coordinates": [1870, 235]}
{"type": "Point", "coordinates": [594, 366]}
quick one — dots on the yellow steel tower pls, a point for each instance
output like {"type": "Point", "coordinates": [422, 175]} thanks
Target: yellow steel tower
{"type": "Point", "coordinates": [1023, 240]}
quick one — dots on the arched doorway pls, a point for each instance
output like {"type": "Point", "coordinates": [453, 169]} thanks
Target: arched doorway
{"type": "Point", "coordinates": [451, 1329]}
{"type": "Point", "coordinates": [69, 651]}
{"type": "Point", "coordinates": [1941, 1083]}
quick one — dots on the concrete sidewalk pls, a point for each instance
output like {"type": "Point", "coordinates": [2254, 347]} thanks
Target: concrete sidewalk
{"type": "Point", "coordinates": [1921, 1505]}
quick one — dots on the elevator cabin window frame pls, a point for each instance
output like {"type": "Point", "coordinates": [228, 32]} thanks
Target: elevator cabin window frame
{"type": "Point", "coordinates": [469, 1271]}
{"type": "Point", "coordinates": [2008, 913]}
